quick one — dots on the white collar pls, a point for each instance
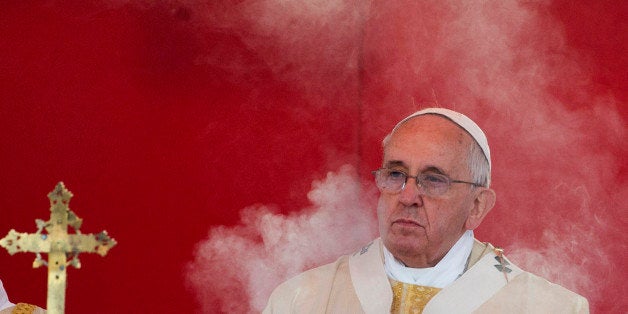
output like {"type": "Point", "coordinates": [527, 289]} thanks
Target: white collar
{"type": "Point", "coordinates": [439, 276]}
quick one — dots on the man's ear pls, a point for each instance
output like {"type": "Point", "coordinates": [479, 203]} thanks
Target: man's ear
{"type": "Point", "coordinates": [483, 203]}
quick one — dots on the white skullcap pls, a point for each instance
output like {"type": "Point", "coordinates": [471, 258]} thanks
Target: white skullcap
{"type": "Point", "coordinates": [461, 120]}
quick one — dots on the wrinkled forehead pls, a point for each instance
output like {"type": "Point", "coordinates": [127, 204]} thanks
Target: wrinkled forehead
{"type": "Point", "coordinates": [428, 135]}
{"type": "Point", "coordinates": [431, 126]}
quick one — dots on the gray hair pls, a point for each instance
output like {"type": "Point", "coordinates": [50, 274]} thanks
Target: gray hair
{"type": "Point", "coordinates": [478, 165]}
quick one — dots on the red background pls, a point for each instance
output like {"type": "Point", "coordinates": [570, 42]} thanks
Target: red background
{"type": "Point", "coordinates": [166, 119]}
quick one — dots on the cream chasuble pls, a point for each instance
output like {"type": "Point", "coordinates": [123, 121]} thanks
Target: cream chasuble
{"type": "Point", "coordinates": [359, 284]}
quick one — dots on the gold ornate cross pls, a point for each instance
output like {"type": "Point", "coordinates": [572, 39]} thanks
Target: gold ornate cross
{"type": "Point", "coordinates": [63, 249]}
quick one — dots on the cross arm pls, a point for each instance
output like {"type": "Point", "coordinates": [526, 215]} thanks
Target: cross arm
{"type": "Point", "coordinates": [25, 242]}
{"type": "Point", "coordinates": [91, 243]}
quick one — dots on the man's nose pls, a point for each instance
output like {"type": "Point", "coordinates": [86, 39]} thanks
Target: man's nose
{"type": "Point", "coordinates": [411, 194]}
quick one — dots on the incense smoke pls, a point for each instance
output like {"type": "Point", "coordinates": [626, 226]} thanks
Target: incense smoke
{"type": "Point", "coordinates": [236, 268]}
{"type": "Point", "coordinates": [313, 46]}
{"type": "Point", "coordinates": [555, 141]}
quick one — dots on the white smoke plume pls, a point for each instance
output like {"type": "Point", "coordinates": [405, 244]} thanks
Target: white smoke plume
{"type": "Point", "coordinates": [556, 141]}
{"type": "Point", "coordinates": [236, 268]}
{"type": "Point", "coordinates": [514, 57]}
{"type": "Point", "coordinates": [314, 46]}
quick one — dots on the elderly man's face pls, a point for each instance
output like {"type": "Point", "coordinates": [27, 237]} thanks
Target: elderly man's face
{"type": "Point", "coordinates": [418, 229]}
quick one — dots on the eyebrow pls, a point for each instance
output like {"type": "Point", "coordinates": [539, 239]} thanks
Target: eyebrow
{"type": "Point", "coordinates": [395, 163]}
{"type": "Point", "coordinates": [433, 169]}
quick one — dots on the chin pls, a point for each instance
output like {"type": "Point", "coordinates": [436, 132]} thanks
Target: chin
{"type": "Point", "coordinates": [403, 245]}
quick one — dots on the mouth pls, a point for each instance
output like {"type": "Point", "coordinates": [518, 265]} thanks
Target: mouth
{"type": "Point", "coordinates": [402, 222]}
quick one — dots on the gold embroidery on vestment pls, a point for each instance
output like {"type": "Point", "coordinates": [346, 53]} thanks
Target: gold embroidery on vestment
{"type": "Point", "coordinates": [23, 308]}
{"type": "Point", "coordinates": [409, 298]}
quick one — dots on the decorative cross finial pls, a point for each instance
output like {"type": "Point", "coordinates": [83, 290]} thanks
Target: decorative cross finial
{"type": "Point", "coordinates": [59, 245]}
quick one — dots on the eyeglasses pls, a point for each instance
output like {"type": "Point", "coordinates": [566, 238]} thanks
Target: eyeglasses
{"type": "Point", "coordinates": [430, 184]}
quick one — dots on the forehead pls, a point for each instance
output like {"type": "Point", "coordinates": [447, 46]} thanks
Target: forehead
{"type": "Point", "coordinates": [428, 141]}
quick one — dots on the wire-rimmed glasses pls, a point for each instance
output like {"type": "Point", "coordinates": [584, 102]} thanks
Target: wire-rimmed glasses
{"type": "Point", "coordinates": [431, 184]}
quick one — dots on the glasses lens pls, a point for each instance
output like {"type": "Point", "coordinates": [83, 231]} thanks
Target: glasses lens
{"type": "Point", "coordinates": [434, 184]}
{"type": "Point", "coordinates": [390, 180]}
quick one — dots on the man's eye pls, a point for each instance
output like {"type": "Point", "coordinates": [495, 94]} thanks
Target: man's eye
{"type": "Point", "coordinates": [435, 178]}
{"type": "Point", "coordinates": [396, 174]}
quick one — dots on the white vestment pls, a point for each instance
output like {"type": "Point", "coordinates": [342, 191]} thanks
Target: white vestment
{"type": "Point", "coordinates": [358, 284]}
{"type": "Point", "coordinates": [4, 298]}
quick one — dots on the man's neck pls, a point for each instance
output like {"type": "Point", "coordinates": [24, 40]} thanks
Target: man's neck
{"type": "Point", "coordinates": [448, 269]}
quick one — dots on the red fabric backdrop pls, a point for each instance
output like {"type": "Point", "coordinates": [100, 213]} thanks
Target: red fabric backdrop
{"type": "Point", "coordinates": [166, 119]}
